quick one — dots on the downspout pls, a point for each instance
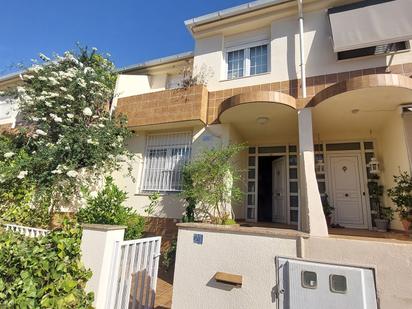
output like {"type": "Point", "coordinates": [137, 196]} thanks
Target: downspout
{"type": "Point", "coordinates": [302, 65]}
{"type": "Point", "coordinates": [302, 49]}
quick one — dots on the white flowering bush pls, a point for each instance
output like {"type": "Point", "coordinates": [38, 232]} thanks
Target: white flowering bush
{"type": "Point", "coordinates": [67, 139]}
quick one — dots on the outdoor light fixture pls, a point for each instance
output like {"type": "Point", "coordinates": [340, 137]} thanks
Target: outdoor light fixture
{"type": "Point", "coordinates": [262, 120]}
{"type": "Point", "coordinates": [374, 167]}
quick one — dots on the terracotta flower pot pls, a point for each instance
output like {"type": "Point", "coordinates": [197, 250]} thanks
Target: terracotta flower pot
{"type": "Point", "coordinates": [406, 225]}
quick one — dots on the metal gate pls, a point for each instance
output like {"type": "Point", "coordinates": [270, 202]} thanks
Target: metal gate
{"type": "Point", "coordinates": [134, 268]}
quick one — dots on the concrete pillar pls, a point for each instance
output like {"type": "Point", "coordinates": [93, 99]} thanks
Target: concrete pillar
{"type": "Point", "coordinates": [97, 246]}
{"type": "Point", "coordinates": [312, 219]}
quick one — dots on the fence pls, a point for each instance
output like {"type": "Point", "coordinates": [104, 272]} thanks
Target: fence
{"type": "Point", "coordinates": [135, 266]}
{"type": "Point", "coordinates": [25, 230]}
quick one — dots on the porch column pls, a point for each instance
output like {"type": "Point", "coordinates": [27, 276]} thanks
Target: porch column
{"type": "Point", "coordinates": [312, 219]}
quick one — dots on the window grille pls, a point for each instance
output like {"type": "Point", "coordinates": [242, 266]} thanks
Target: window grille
{"type": "Point", "coordinates": [165, 156]}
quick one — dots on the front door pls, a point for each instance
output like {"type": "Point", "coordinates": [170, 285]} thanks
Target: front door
{"type": "Point", "coordinates": [279, 190]}
{"type": "Point", "coordinates": [347, 190]}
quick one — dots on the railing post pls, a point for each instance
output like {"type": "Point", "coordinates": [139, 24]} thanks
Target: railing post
{"type": "Point", "coordinates": [98, 247]}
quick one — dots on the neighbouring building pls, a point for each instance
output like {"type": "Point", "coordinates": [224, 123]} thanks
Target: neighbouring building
{"type": "Point", "coordinates": [313, 109]}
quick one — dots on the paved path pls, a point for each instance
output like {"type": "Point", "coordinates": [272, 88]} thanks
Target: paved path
{"type": "Point", "coordinates": [164, 293]}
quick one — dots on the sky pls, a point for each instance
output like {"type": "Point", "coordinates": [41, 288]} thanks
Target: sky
{"type": "Point", "coordinates": [132, 31]}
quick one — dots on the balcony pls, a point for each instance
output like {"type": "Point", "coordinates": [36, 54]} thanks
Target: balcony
{"type": "Point", "coordinates": [165, 108]}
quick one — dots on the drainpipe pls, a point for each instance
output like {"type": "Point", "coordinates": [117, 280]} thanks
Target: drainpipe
{"type": "Point", "coordinates": [302, 49]}
{"type": "Point", "coordinates": [302, 66]}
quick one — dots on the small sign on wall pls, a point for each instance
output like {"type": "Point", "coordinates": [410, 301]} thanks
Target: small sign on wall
{"type": "Point", "coordinates": [198, 239]}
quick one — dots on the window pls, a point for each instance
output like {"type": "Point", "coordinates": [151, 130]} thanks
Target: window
{"type": "Point", "coordinates": [258, 59]}
{"type": "Point", "coordinates": [235, 63]}
{"type": "Point", "coordinates": [374, 50]}
{"type": "Point", "coordinates": [164, 159]}
{"type": "Point", "coordinates": [248, 61]}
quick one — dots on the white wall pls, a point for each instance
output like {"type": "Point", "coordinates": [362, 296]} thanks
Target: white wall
{"type": "Point", "coordinates": [393, 155]}
{"type": "Point", "coordinates": [242, 251]}
{"type": "Point", "coordinates": [171, 204]}
{"type": "Point", "coordinates": [284, 50]}
{"type": "Point", "coordinates": [391, 261]}
{"type": "Point", "coordinates": [248, 255]}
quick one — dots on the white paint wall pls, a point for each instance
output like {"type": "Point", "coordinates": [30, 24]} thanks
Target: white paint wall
{"type": "Point", "coordinates": [393, 155]}
{"type": "Point", "coordinates": [171, 204]}
{"type": "Point", "coordinates": [247, 255]}
{"type": "Point", "coordinates": [253, 257]}
{"type": "Point", "coordinates": [284, 50]}
{"type": "Point", "coordinates": [391, 261]}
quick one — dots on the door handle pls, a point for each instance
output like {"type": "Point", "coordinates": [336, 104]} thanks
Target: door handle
{"type": "Point", "coordinates": [346, 194]}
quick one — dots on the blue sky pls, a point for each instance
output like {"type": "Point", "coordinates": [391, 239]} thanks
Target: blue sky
{"type": "Point", "coordinates": [132, 31]}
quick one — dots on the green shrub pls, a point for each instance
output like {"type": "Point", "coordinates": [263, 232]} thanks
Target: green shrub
{"type": "Point", "coordinates": [107, 208]}
{"type": "Point", "coordinates": [43, 272]}
{"type": "Point", "coordinates": [212, 182]}
{"type": "Point", "coordinates": [169, 256]}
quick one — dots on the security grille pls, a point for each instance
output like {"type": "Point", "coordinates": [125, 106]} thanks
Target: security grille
{"type": "Point", "coordinates": [165, 156]}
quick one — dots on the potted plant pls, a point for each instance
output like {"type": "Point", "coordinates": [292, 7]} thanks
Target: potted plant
{"type": "Point", "coordinates": [401, 196]}
{"type": "Point", "coordinates": [327, 210]}
{"type": "Point", "coordinates": [385, 216]}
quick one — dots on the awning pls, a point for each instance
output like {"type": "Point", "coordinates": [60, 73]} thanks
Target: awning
{"type": "Point", "coordinates": [370, 23]}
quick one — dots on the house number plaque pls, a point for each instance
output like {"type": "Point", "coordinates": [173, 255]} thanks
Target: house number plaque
{"type": "Point", "coordinates": [198, 239]}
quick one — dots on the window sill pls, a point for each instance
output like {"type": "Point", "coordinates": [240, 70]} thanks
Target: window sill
{"type": "Point", "coordinates": [243, 77]}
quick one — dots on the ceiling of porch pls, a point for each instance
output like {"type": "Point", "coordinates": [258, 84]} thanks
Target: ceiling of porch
{"type": "Point", "coordinates": [359, 111]}
{"type": "Point", "coordinates": [262, 121]}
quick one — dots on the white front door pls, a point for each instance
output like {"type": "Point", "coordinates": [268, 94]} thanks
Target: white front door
{"type": "Point", "coordinates": [347, 190]}
{"type": "Point", "coordinates": [279, 190]}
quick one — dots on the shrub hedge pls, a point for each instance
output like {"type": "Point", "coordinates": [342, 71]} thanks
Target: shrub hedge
{"type": "Point", "coordinates": [43, 272]}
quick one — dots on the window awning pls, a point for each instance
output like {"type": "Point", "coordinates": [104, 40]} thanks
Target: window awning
{"type": "Point", "coordinates": [370, 23]}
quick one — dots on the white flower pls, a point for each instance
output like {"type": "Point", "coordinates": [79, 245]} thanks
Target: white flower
{"type": "Point", "coordinates": [93, 194]}
{"type": "Point", "coordinates": [70, 116]}
{"type": "Point", "coordinates": [48, 104]}
{"type": "Point", "coordinates": [8, 154]}
{"type": "Point", "coordinates": [22, 174]}
{"type": "Point", "coordinates": [41, 132]}
{"type": "Point", "coordinates": [71, 173]}
{"type": "Point", "coordinates": [21, 90]}
{"type": "Point", "coordinates": [69, 97]}
{"type": "Point", "coordinates": [53, 81]}
{"type": "Point", "coordinates": [93, 142]}
{"type": "Point", "coordinates": [57, 119]}
{"type": "Point", "coordinates": [43, 78]}
{"type": "Point", "coordinates": [101, 125]}
{"type": "Point", "coordinates": [87, 111]}
{"type": "Point", "coordinates": [28, 76]}
{"type": "Point", "coordinates": [1, 93]}
{"type": "Point", "coordinates": [44, 57]}
{"type": "Point", "coordinates": [63, 88]}
{"type": "Point", "coordinates": [35, 119]}
{"type": "Point", "coordinates": [81, 83]}
{"type": "Point", "coordinates": [56, 171]}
